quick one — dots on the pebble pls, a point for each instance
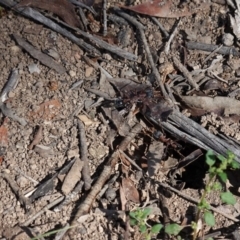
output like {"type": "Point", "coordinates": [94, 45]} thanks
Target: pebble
{"type": "Point", "coordinates": [110, 194]}
{"type": "Point", "coordinates": [72, 73]}
{"type": "Point", "coordinates": [228, 39]}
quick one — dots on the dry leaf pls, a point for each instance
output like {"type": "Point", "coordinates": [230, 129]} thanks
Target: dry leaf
{"type": "Point", "coordinates": [131, 193]}
{"type": "Point", "coordinates": [46, 111]}
{"type": "Point", "coordinates": [228, 105]}
{"type": "Point", "coordinates": [3, 136]}
{"type": "Point", "coordinates": [44, 151]}
{"type": "Point", "coordinates": [37, 138]}
{"type": "Point", "coordinates": [159, 8]}
{"type": "Point", "coordinates": [62, 8]}
{"type": "Point", "coordinates": [87, 121]}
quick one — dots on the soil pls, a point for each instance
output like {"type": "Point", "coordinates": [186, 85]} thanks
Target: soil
{"type": "Point", "coordinates": [44, 98]}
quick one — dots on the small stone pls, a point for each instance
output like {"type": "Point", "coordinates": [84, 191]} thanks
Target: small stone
{"type": "Point", "coordinates": [11, 94]}
{"type": "Point", "coordinates": [110, 194]}
{"type": "Point", "coordinates": [72, 73]}
{"type": "Point", "coordinates": [227, 39]}
{"type": "Point", "coordinates": [88, 71]}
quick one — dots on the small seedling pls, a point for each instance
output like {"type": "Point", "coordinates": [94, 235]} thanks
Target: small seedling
{"type": "Point", "coordinates": [139, 218]}
{"type": "Point", "coordinates": [216, 169]}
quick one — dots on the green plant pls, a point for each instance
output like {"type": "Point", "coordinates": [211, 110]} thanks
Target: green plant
{"type": "Point", "coordinates": [216, 169]}
{"type": "Point", "coordinates": [139, 218]}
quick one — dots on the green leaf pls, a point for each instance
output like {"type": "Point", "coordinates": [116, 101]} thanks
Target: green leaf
{"type": "Point", "coordinates": [223, 176]}
{"type": "Point", "coordinates": [209, 218]}
{"type": "Point", "coordinates": [217, 186]}
{"type": "Point", "coordinates": [235, 164]}
{"type": "Point", "coordinates": [221, 158]}
{"type": "Point", "coordinates": [210, 158]}
{"type": "Point", "coordinates": [133, 222]}
{"type": "Point", "coordinates": [132, 214]}
{"type": "Point", "coordinates": [156, 228]}
{"type": "Point", "coordinates": [173, 229]}
{"type": "Point", "coordinates": [143, 228]}
{"type": "Point", "coordinates": [210, 238]}
{"type": "Point", "coordinates": [227, 197]}
{"type": "Point", "coordinates": [146, 212]}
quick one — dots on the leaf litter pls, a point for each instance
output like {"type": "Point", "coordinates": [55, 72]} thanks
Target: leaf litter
{"type": "Point", "coordinates": [140, 100]}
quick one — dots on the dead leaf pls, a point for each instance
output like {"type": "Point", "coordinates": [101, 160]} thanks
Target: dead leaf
{"type": "Point", "coordinates": [72, 177]}
{"type": "Point", "coordinates": [131, 193]}
{"type": "Point", "coordinates": [46, 111]}
{"type": "Point", "coordinates": [3, 135]}
{"type": "Point", "coordinates": [37, 138]}
{"type": "Point", "coordinates": [44, 151]}
{"type": "Point", "coordinates": [122, 198]}
{"type": "Point", "coordinates": [154, 156]}
{"type": "Point", "coordinates": [228, 105]}
{"type": "Point", "coordinates": [87, 121]}
{"type": "Point", "coordinates": [118, 120]}
{"type": "Point", "coordinates": [159, 8]}
{"type": "Point", "coordinates": [62, 8]}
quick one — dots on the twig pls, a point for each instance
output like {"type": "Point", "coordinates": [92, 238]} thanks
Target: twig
{"type": "Point", "coordinates": [165, 33]}
{"type": "Point", "coordinates": [211, 47]}
{"type": "Point", "coordinates": [82, 5]}
{"type": "Point", "coordinates": [219, 78]}
{"type": "Point", "coordinates": [197, 201]}
{"type": "Point", "coordinates": [189, 131]}
{"type": "Point", "coordinates": [83, 18]}
{"type": "Point", "coordinates": [26, 176]}
{"type": "Point", "coordinates": [37, 16]}
{"type": "Point", "coordinates": [185, 72]}
{"type": "Point", "coordinates": [117, 20]}
{"type": "Point", "coordinates": [109, 47]}
{"type": "Point", "coordinates": [104, 17]}
{"type": "Point", "coordinates": [10, 85]}
{"type": "Point", "coordinates": [84, 156]}
{"type": "Point", "coordinates": [130, 160]}
{"type": "Point", "coordinates": [141, 28]}
{"type": "Point", "coordinates": [173, 34]}
{"type": "Point", "coordinates": [109, 183]}
{"type": "Point", "coordinates": [43, 58]}
{"type": "Point", "coordinates": [25, 202]}
{"type": "Point", "coordinates": [211, 54]}
{"type": "Point", "coordinates": [50, 205]}
{"type": "Point", "coordinates": [97, 187]}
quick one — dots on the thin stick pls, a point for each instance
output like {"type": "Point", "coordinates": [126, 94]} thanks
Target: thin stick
{"type": "Point", "coordinates": [196, 201]}
{"type": "Point", "coordinates": [83, 18]}
{"type": "Point", "coordinates": [106, 173]}
{"type": "Point", "coordinates": [165, 33]}
{"type": "Point", "coordinates": [211, 54]}
{"type": "Point", "coordinates": [25, 202]}
{"type": "Point", "coordinates": [141, 28]}
{"type": "Point", "coordinates": [130, 160]}
{"type": "Point", "coordinates": [26, 176]}
{"type": "Point", "coordinates": [37, 16]}
{"type": "Point", "coordinates": [84, 155]}
{"type": "Point", "coordinates": [47, 207]}
{"type": "Point", "coordinates": [185, 72]}
{"type": "Point", "coordinates": [168, 43]}
{"type": "Point", "coordinates": [219, 78]}
{"type": "Point", "coordinates": [41, 57]}
{"type": "Point", "coordinates": [211, 47]}
{"type": "Point", "coordinates": [104, 17]}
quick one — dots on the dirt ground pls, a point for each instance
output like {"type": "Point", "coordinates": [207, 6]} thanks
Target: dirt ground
{"type": "Point", "coordinates": [53, 102]}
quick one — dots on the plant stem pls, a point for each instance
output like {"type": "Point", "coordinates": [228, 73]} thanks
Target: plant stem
{"type": "Point", "coordinates": [195, 233]}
